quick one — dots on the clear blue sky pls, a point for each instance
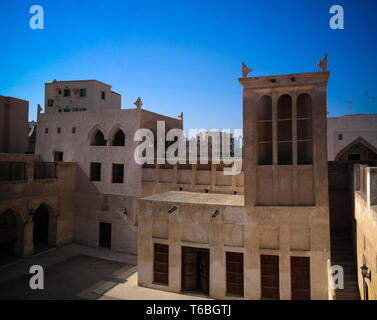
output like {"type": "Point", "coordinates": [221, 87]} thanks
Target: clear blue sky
{"type": "Point", "coordinates": [185, 55]}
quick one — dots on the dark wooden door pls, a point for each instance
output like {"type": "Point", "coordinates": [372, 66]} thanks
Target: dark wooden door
{"type": "Point", "coordinates": [195, 269]}
{"type": "Point", "coordinates": [204, 271]}
{"type": "Point", "coordinates": [105, 235]}
{"type": "Point", "coordinates": [161, 263]}
{"type": "Point", "coordinates": [190, 269]}
{"type": "Point", "coordinates": [234, 273]}
{"type": "Point", "coordinates": [300, 278]}
{"type": "Point", "coordinates": [269, 266]}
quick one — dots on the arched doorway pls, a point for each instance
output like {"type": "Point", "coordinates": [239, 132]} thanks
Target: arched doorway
{"type": "Point", "coordinates": [357, 150]}
{"type": "Point", "coordinates": [41, 220]}
{"type": "Point", "coordinates": [8, 235]}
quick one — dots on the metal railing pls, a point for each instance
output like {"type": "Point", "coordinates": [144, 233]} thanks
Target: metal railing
{"type": "Point", "coordinates": [45, 170]}
{"type": "Point", "coordinates": [12, 171]}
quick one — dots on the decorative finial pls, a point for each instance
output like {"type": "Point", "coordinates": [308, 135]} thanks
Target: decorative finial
{"type": "Point", "coordinates": [39, 108]}
{"type": "Point", "coordinates": [138, 103]}
{"type": "Point", "coordinates": [245, 70]}
{"type": "Point", "coordinates": [181, 116]}
{"type": "Point", "coordinates": [323, 63]}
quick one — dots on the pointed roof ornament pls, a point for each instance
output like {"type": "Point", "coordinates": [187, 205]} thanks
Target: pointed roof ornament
{"type": "Point", "coordinates": [245, 70]}
{"type": "Point", "coordinates": [323, 63]}
{"type": "Point", "coordinates": [138, 103]}
{"type": "Point", "coordinates": [181, 116]}
{"type": "Point", "coordinates": [39, 108]}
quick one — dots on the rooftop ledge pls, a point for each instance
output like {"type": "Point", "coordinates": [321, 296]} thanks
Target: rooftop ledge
{"type": "Point", "coordinates": [198, 198]}
{"type": "Point", "coordinates": [283, 80]}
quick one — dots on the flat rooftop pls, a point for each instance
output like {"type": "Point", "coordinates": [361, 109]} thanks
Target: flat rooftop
{"type": "Point", "coordinates": [219, 199]}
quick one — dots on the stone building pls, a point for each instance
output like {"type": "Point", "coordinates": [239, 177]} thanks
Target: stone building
{"type": "Point", "coordinates": [66, 96]}
{"type": "Point", "coordinates": [271, 243]}
{"type": "Point", "coordinates": [365, 235]}
{"type": "Point", "coordinates": [13, 125]}
{"type": "Point", "coordinates": [352, 137]}
{"type": "Point", "coordinates": [93, 131]}
{"type": "Point", "coordinates": [36, 198]}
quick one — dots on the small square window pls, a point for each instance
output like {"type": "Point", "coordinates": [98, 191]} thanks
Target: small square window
{"type": "Point", "coordinates": [118, 170]}
{"type": "Point", "coordinates": [58, 130]}
{"type": "Point", "coordinates": [58, 156]}
{"type": "Point", "coordinates": [103, 95]}
{"type": "Point", "coordinates": [95, 171]}
{"type": "Point", "coordinates": [340, 136]}
{"type": "Point", "coordinates": [82, 92]}
{"type": "Point", "coordinates": [46, 130]}
{"type": "Point", "coordinates": [67, 93]}
{"type": "Point", "coordinates": [50, 102]}
{"type": "Point", "coordinates": [73, 130]}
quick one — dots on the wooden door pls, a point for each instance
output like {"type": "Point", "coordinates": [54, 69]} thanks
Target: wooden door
{"type": "Point", "coordinates": [234, 273]}
{"type": "Point", "coordinates": [300, 278]}
{"type": "Point", "coordinates": [161, 263]}
{"type": "Point", "coordinates": [190, 269]}
{"type": "Point", "coordinates": [204, 271]}
{"type": "Point", "coordinates": [105, 235]}
{"type": "Point", "coordinates": [269, 266]}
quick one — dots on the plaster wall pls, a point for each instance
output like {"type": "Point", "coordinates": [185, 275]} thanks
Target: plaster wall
{"type": "Point", "coordinates": [366, 228]}
{"type": "Point", "coordinates": [350, 127]}
{"type": "Point", "coordinates": [286, 232]}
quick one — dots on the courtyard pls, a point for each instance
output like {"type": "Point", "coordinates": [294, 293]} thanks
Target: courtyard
{"type": "Point", "coordinates": [75, 272]}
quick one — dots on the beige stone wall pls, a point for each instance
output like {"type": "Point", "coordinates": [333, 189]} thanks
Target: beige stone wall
{"type": "Point", "coordinates": [25, 195]}
{"type": "Point", "coordinates": [13, 125]}
{"type": "Point", "coordinates": [211, 178]}
{"type": "Point", "coordinates": [100, 201]}
{"type": "Point", "coordinates": [284, 212]}
{"type": "Point", "coordinates": [286, 232]}
{"type": "Point", "coordinates": [366, 228]}
{"type": "Point", "coordinates": [92, 101]}
{"type": "Point", "coordinates": [350, 127]}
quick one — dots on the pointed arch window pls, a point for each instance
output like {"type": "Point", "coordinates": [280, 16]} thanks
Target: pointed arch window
{"type": "Point", "coordinates": [98, 139]}
{"type": "Point", "coordinates": [119, 138]}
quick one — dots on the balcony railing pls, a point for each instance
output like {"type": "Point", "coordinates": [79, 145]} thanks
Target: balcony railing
{"type": "Point", "coordinates": [44, 170]}
{"type": "Point", "coordinates": [12, 171]}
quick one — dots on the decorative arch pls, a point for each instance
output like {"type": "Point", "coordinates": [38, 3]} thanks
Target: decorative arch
{"type": "Point", "coordinates": [45, 226]}
{"type": "Point", "coordinates": [95, 128]}
{"type": "Point", "coordinates": [12, 234]}
{"type": "Point", "coordinates": [16, 213]}
{"type": "Point", "coordinates": [117, 136]}
{"type": "Point", "coordinates": [52, 208]}
{"type": "Point", "coordinates": [96, 137]}
{"type": "Point", "coordinates": [359, 141]}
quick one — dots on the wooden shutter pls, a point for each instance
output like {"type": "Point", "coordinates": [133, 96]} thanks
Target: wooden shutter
{"type": "Point", "coordinates": [161, 263]}
{"type": "Point", "coordinates": [269, 266]}
{"type": "Point", "coordinates": [300, 278]}
{"type": "Point", "coordinates": [234, 273]}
